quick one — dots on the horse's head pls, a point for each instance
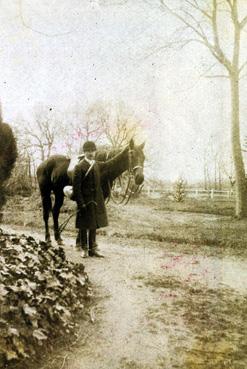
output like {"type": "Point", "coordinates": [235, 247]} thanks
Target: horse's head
{"type": "Point", "coordinates": [136, 161]}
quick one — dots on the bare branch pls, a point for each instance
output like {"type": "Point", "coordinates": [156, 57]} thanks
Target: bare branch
{"type": "Point", "coordinates": [180, 43]}
{"type": "Point", "coordinates": [217, 76]}
{"type": "Point", "coordinates": [237, 30]}
{"type": "Point", "coordinates": [243, 75]}
{"type": "Point", "coordinates": [242, 66]}
{"type": "Point", "coordinates": [182, 19]}
{"type": "Point", "coordinates": [197, 7]}
{"type": "Point", "coordinates": [198, 23]}
{"type": "Point", "coordinates": [208, 70]}
{"type": "Point", "coordinates": [243, 22]}
{"type": "Point", "coordinates": [215, 49]}
{"type": "Point", "coordinates": [220, 55]}
{"type": "Point", "coordinates": [230, 4]}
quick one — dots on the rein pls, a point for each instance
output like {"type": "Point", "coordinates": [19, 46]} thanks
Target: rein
{"type": "Point", "coordinates": [64, 224]}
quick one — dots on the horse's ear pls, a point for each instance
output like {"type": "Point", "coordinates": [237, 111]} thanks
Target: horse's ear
{"type": "Point", "coordinates": [132, 143]}
{"type": "Point", "coordinates": [142, 146]}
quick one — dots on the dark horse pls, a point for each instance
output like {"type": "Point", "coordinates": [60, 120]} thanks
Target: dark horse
{"type": "Point", "coordinates": [53, 177]}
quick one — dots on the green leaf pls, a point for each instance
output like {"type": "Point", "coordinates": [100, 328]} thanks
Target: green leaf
{"type": "Point", "coordinates": [13, 332]}
{"type": "Point", "coordinates": [11, 355]}
{"type": "Point", "coordinates": [39, 335]}
{"type": "Point", "coordinates": [3, 291]}
{"type": "Point", "coordinates": [19, 346]}
{"type": "Point", "coordinates": [81, 280]}
{"type": "Point", "coordinates": [30, 311]}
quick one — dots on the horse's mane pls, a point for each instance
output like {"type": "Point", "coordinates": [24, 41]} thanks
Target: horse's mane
{"type": "Point", "coordinates": [107, 153]}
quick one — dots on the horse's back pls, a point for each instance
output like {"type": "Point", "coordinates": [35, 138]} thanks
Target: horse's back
{"type": "Point", "coordinates": [53, 171]}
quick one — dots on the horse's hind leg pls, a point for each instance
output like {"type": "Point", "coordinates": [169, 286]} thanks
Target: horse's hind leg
{"type": "Point", "coordinates": [46, 203]}
{"type": "Point", "coordinates": [59, 197]}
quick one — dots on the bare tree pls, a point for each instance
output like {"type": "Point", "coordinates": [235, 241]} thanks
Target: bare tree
{"type": "Point", "coordinates": [207, 180]}
{"type": "Point", "coordinates": [92, 128]}
{"type": "Point", "coordinates": [41, 135]}
{"type": "Point", "coordinates": [117, 123]}
{"type": "Point", "coordinates": [21, 181]}
{"type": "Point", "coordinates": [200, 22]}
{"type": "Point", "coordinates": [24, 173]}
{"type": "Point", "coordinates": [78, 126]}
{"type": "Point", "coordinates": [217, 164]}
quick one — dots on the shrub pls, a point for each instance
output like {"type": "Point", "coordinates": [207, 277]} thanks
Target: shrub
{"type": "Point", "coordinates": [40, 293]}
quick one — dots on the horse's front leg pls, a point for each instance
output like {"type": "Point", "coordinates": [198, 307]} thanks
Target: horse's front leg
{"type": "Point", "coordinates": [59, 197]}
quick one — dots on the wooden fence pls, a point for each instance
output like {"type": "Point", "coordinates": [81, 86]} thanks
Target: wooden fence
{"type": "Point", "coordinates": [191, 193]}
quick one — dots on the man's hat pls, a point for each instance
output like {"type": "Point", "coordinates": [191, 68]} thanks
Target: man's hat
{"type": "Point", "coordinates": [87, 146]}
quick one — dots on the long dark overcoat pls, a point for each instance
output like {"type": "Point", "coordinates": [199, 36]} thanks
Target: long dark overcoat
{"type": "Point", "coordinates": [87, 190]}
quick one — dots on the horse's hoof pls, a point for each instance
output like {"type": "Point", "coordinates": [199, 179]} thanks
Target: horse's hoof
{"type": "Point", "coordinates": [60, 242]}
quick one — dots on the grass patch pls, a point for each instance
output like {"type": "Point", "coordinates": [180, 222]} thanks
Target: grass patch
{"type": "Point", "coordinates": [192, 205]}
{"type": "Point", "coordinates": [200, 206]}
{"type": "Point", "coordinates": [215, 318]}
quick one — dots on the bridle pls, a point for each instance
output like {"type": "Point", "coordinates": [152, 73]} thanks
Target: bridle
{"type": "Point", "coordinates": [131, 188]}
{"type": "Point", "coordinates": [131, 168]}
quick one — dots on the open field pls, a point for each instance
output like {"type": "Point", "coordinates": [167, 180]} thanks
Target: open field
{"type": "Point", "coordinates": [192, 225]}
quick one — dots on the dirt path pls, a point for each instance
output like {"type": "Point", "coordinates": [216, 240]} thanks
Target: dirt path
{"type": "Point", "coordinates": [123, 336]}
{"type": "Point", "coordinates": [130, 330]}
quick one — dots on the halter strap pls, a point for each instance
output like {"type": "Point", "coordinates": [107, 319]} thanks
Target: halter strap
{"type": "Point", "coordinates": [130, 151]}
{"type": "Point", "coordinates": [137, 166]}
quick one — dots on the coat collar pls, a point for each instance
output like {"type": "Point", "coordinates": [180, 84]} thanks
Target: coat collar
{"type": "Point", "coordinates": [90, 162]}
{"type": "Point", "coordinates": [84, 164]}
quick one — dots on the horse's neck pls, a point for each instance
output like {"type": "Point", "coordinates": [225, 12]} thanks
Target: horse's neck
{"type": "Point", "coordinates": [110, 154]}
{"type": "Point", "coordinates": [118, 164]}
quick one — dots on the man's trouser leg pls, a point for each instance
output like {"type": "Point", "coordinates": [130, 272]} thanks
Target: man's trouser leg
{"type": "Point", "coordinates": [93, 247]}
{"type": "Point", "coordinates": [78, 240]}
{"type": "Point", "coordinates": [83, 242]}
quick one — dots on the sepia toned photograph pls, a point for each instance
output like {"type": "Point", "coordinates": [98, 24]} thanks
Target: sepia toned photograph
{"type": "Point", "coordinates": [123, 186]}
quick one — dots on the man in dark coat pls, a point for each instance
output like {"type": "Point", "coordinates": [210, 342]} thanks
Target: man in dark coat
{"type": "Point", "coordinates": [88, 194]}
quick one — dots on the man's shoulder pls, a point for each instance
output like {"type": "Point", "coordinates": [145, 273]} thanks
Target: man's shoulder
{"type": "Point", "coordinates": [82, 165]}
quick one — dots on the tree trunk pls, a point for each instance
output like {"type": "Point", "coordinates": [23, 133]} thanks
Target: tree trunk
{"type": "Point", "coordinates": [220, 178]}
{"type": "Point", "coordinates": [205, 177]}
{"type": "Point", "coordinates": [215, 172]}
{"type": "Point", "coordinates": [240, 185]}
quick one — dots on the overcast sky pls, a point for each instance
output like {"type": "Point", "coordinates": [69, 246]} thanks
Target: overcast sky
{"type": "Point", "coordinates": [63, 52]}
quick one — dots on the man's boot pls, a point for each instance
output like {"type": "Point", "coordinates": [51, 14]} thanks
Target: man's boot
{"type": "Point", "coordinates": [85, 253]}
{"type": "Point", "coordinates": [82, 238]}
{"type": "Point", "coordinates": [94, 251]}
